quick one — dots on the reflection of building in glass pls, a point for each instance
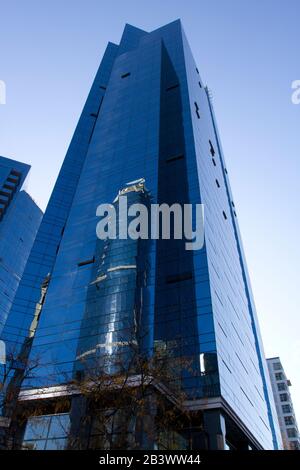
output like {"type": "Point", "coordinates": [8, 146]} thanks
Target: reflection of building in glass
{"type": "Point", "coordinates": [47, 432]}
{"type": "Point", "coordinates": [112, 327]}
{"type": "Point", "coordinates": [147, 115]}
{"type": "Point", "coordinates": [284, 405]}
{"type": "Point", "coordinates": [19, 220]}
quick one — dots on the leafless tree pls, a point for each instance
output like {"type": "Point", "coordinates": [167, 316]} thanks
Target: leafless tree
{"type": "Point", "coordinates": [131, 398]}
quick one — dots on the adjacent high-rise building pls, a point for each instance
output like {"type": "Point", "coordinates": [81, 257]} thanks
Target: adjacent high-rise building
{"type": "Point", "coordinates": [284, 405]}
{"type": "Point", "coordinates": [20, 218]}
{"type": "Point", "coordinates": [147, 130]}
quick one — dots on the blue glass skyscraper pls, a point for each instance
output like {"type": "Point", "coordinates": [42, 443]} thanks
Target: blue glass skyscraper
{"type": "Point", "coordinates": [148, 116]}
{"type": "Point", "coordinates": [19, 221]}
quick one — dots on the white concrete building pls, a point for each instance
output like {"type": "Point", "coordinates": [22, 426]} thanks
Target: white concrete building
{"type": "Point", "coordinates": [284, 406]}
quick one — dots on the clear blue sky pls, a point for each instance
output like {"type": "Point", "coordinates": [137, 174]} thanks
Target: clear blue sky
{"type": "Point", "coordinates": [247, 53]}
